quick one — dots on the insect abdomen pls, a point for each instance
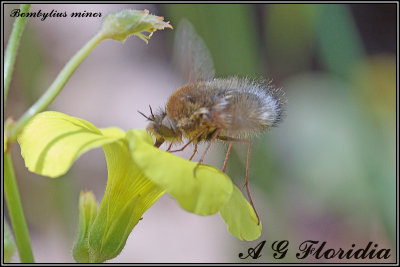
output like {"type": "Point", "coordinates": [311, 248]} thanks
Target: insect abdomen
{"type": "Point", "coordinates": [247, 107]}
{"type": "Point", "coordinates": [239, 107]}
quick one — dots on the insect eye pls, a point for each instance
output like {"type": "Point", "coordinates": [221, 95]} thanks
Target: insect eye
{"type": "Point", "coordinates": [167, 132]}
{"type": "Point", "coordinates": [167, 128]}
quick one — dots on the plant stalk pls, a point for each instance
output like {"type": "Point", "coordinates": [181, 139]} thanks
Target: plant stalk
{"type": "Point", "coordinates": [12, 47]}
{"type": "Point", "coordinates": [16, 212]}
{"type": "Point", "coordinates": [55, 88]}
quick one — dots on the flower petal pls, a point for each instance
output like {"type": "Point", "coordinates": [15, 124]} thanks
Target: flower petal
{"type": "Point", "coordinates": [204, 194]}
{"type": "Point", "coordinates": [240, 217]}
{"type": "Point", "coordinates": [52, 141]}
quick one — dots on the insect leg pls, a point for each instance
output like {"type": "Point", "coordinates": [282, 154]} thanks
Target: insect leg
{"type": "Point", "coordinates": [170, 145]}
{"type": "Point", "coordinates": [214, 136]}
{"type": "Point", "coordinates": [194, 152]}
{"type": "Point", "coordinates": [182, 148]}
{"type": "Point", "coordinates": [227, 156]}
{"type": "Point", "coordinates": [188, 143]}
{"type": "Point", "coordinates": [248, 142]}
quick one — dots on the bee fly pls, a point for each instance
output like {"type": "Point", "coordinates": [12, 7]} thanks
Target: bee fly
{"type": "Point", "coordinates": [208, 109]}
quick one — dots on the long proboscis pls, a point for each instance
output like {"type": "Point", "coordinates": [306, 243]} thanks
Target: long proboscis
{"type": "Point", "coordinates": [159, 142]}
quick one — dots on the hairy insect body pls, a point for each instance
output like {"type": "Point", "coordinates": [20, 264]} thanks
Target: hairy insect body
{"type": "Point", "coordinates": [238, 107]}
{"type": "Point", "coordinates": [208, 109]}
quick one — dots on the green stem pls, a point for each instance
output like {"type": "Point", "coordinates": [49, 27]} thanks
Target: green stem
{"type": "Point", "coordinates": [55, 88]}
{"type": "Point", "coordinates": [12, 47]}
{"type": "Point", "coordinates": [16, 213]}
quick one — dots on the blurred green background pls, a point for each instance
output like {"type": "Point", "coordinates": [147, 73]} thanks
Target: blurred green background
{"type": "Point", "coordinates": [327, 173]}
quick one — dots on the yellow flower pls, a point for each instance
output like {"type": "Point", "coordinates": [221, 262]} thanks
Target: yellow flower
{"type": "Point", "coordinates": [138, 174]}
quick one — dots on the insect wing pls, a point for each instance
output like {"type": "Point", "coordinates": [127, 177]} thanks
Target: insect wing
{"type": "Point", "coordinates": [191, 54]}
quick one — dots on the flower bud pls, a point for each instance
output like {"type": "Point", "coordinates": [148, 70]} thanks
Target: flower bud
{"type": "Point", "coordinates": [121, 25]}
{"type": "Point", "coordinates": [87, 215]}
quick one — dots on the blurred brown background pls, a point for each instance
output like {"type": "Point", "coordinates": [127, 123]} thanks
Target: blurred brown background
{"type": "Point", "coordinates": [327, 173]}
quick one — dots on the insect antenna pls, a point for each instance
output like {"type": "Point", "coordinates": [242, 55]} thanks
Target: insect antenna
{"type": "Point", "coordinates": [150, 119]}
{"type": "Point", "coordinates": [151, 112]}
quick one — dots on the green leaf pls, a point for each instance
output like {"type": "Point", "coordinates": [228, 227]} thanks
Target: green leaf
{"type": "Point", "coordinates": [240, 217]}
{"type": "Point", "coordinates": [52, 141]}
{"type": "Point", "coordinates": [204, 194]}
